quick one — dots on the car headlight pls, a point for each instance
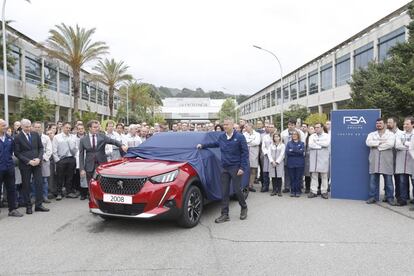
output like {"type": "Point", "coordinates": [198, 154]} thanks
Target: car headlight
{"type": "Point", "coordinates": [164, 178]}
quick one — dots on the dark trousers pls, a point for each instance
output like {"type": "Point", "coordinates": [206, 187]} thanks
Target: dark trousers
{"type": "Point", "coordinates": [277, 184]}
{"type": "Point", "coordinates": [404, 187]}
{"type": "Point", "coordinates": [265, 180]}
{"type": "Point", "coordinates": [296, 175]}
{"type": "Point", "coordinates": [27, 173]}
{"type": "Point", "coordinates": [64, 171]}
{"type": "Point", "coordinates": [229, 176]}
{"type": "Point", "coordinates": [9, 183]}
{"type": "Point", "coordinates": [397, 186]}
{"type": "Point", "coordinates": [308, 183]}
{"type": "Point", "coordinates": [76, 180]}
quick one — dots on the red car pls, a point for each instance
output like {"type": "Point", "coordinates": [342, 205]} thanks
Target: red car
{"type": "Point", "coordinates": [165, 177]}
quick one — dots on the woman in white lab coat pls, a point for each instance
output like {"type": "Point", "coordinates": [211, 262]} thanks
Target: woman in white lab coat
{"type": "Point", "coordinates": [276, 164]}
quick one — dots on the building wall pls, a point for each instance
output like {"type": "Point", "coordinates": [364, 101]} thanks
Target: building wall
{"type": "Point", "coordinates": [343, 56]}
{"type": "Point", "coordinates": [21, 83]}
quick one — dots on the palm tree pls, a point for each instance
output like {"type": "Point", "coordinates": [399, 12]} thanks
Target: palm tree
{"type": "Point", "coordinates": [112, 74]}
{"type": "Point", "coordinates": [74, 47]}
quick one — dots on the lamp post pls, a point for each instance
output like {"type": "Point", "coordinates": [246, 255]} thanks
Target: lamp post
{"type": "Point", "coordinates": [6, 95]}
{"type": "Point", "coordinates": [281, 84]}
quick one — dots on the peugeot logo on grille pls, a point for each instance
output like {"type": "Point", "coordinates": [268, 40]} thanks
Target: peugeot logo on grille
{"type": "Point", "coordinates": [120, 184]}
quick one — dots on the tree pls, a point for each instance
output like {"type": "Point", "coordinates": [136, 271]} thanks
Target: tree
{"type": "Point", "coordinates": [314, 118]}
{"type": "Point", "coordinates": [295, 111]}
{"type": "Point", "coordinates": [228, 109]}
{"type": "Point", "coordinates": [388, 85]}
{"type": "Point", "coordinates": [38, 108]}
{"type": "Point", "coordinates": [11, 60]}
{"type": "Point", "coordinates": [88, 115]}
{"type": "Point", "coordinates": [143, 102]}
{"type": "Point", "coordinates": [74, 47]}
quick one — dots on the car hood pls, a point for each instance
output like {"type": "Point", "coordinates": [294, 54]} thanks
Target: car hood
{"type": "Point", "coordinates": [139, 167]}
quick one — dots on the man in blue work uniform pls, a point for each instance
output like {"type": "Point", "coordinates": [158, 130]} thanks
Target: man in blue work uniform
{"type": "Point", "coordinates": [7, 168]}
{"type": "Point", "coordinates": [234, 159]}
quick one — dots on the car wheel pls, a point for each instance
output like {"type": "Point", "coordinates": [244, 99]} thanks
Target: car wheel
{"type": "Point", "coordinates": [192, 207]}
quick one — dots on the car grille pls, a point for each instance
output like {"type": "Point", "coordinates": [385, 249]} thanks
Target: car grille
{"type": "Point", "coordinates": [129, 186]}
{"type": "Point", "coordinates": [121, 209]}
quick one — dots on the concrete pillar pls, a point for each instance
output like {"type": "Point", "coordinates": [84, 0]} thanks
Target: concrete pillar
{"type": "Point", "coordinates": [69, 115]}
{"type": "Point", "coordinates": [351, 62]}
{"type": "Point", "coordinates": [42, 71]}
{"type": "Point", "coordinates": [334, 106]}
{"type": "Point", "coordinates": [376, 58]}
{"type": "Point", "coordinates": [57, 113]}
{"type": "Point", "coordinates": [334, 71]}
{"type": "Point", "coordinates": [320, 109]}
{"type": "Point", "coordinates": [319, 77]}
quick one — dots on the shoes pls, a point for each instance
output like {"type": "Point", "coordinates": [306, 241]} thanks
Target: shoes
{"type": "Point", "coordinates": [312, 195]}
{"type": "Point", "coordinates": [273, 193]}
{"type": "Point", "coordinates": [325, 196]}
{"type": "Point", "coordinates": [391, 202]}
{"type": "Point", "coordinates": [59, 197]}
{"type": "Point", "coordinates": [412, 201]}
{"type": "Point", "coordinates": [82, 197]}
{"type": "Point", "coordinates": [292, 195]}
{"type": "Point", "coordinates": [371, 200]}
{"type": "Point", "coordinates": [384, 199]}
{"type": "Point", "coordinates": [71, 195]}
{"type": "Point", "coordinates": [15, 213]}
{"type": "Point", "coordinates": [279, 194]}
{"type": "Point", "coordinates": [251, 189]}
{"type": "Point", "coordinates": [46, 200]}
{"type": "Point", "coordinates": [256, 181]}
{"type": "Point", "coordinates": [41, 208]}
{"type": "Point", "coordinates": [319, 192]}
{"type": "Point", "coordinates": [286, 190]}
{"type": "Point", "coordinates": [307, 191]}
{"type": "Point", "coordinates": [401, 203]}
{"type": "Point", "coordinates": [264, 190]}
{"type": "Point", "coordinates": [243, 213]}
{"type": "Point", "coordinates": [51, 196]}
{"type": "Point", "coordinates": [222, 218]}
{"type": "Point", "coordinates": [297, 195]}
{"type": "Point", "coordinates": [29, 211]}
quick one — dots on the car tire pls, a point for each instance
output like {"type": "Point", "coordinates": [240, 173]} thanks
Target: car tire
{"type": "Point", "coordinates": [192, 207]}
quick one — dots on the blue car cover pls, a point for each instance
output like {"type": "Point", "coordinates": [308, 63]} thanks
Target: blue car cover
{"type": "Point", "coordinates": [181, 146]}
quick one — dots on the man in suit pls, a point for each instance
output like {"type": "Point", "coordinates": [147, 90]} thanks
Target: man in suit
{"type": "Point", "coordinates": [92, 151]}
{"type": "Point", "coordinates": [29, 151]}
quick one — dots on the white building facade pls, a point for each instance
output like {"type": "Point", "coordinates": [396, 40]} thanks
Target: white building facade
{"type": "Point", "coordinates": [321, 85]}
{"type": "Point", "coordinates": [33, 68]}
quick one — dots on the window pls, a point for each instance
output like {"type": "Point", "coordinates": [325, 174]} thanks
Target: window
{"type": "Point", "coordinates": [343, 70]}
{"type": "Point", "coordinates": [63, 83]}
{"type": "Point", "coordinates": [273, 98]}
{"type": "Point", "coordinates": [286, 93]}
{"type": "Point", "coordinates": [278, 96]}
{"type": "Point", "coordinates": [386, 42]}
{"type": "Point", "coordinates": [263, 102]}
{"type": "Point", "coordinates": [50, 75]}
{"type": "Point", "coordinates": [16, 70]}
{"type": "Point", "coordinates": [92, 92]}
{"type": "Point", "coordinates": [100, 96]}
{"type": "Point", "coordinates": [268, 100]}
{"type": "Point", "coordinates": [105, 98]}
{"type": "Point", "coordinates": [85, 91]}
{"type": "Point", "coordinates": [363, 56]}
{"type": "Point", "coordinates": [116, 101]}
{"type": "Point", "coordinates": [313, 82]}
{"type": "Point", "coordinates": [302, 87]}
{"type": "Point", "coordinates": [33, 69]}
{"type": "Point", "coordinates": [293, 91]}
{"type": "Point", "coordinates": [326, 77]}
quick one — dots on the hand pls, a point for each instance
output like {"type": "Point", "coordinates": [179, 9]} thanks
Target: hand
{"type": "Point", "coordinates": [240, 172]}
{"type": "Point", "coordinates": [82, 173]}
{"type": "Point", "coordinates": [199, 146]}
{"type": "Point", "coordinates": [32, 163]}
{"type": "Point", "coordinates": [124, 148]}
{"type": "Point", "coordinates": [37, 161]}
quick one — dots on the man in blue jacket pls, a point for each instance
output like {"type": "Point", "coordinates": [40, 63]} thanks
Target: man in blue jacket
{"type": "Point", "coordinates": [235, 162]}
{"type": "Point", "coordinates": [7, 168]}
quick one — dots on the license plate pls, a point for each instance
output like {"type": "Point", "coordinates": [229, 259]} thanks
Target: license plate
{"type": "Point", "coordinates": [121, 199]}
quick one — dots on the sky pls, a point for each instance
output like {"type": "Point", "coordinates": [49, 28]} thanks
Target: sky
{"type": "Point", "coordinates": [206, 43]}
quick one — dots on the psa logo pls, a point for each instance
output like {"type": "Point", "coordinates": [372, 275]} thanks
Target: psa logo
{"type": "Point", "coordinates": [354, 120]}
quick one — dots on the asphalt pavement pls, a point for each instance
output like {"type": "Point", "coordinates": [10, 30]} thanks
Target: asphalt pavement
{"type": "Point", "coordinates": [281, 236]}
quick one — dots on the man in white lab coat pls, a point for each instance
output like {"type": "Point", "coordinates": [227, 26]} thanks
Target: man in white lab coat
{"type": "Point", "coordinates": [319, 143]}
{"type": "Point", "coordinates": [253, 142]}
{"type": "Point", "coordinates": [381, 161]}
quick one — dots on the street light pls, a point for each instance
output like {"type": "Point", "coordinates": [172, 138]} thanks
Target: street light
{"type": "Point", "coordinates": [6, 96]}
{"type": "Point", "coordinates": [281, 84]}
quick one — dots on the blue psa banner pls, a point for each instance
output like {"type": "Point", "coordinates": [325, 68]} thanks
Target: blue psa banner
{"type": "Point", "coordinates": [349, 153]}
